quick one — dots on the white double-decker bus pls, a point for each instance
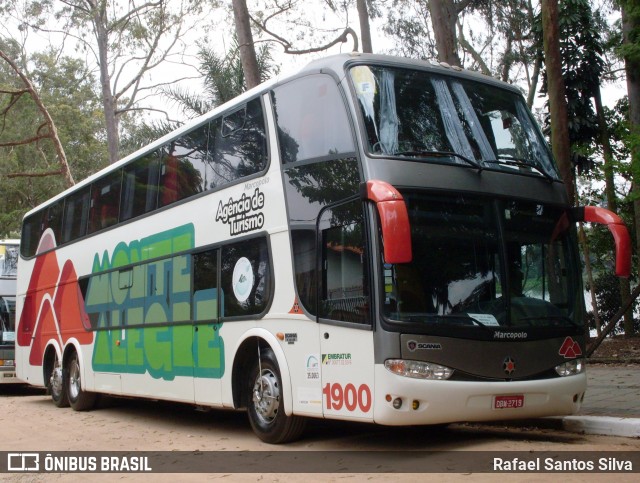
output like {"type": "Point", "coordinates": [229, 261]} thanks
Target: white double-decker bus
{"type": "Point", "coordinates": [372, 239]}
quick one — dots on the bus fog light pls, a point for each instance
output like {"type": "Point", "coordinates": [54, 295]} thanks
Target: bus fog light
{"type": "Point", "coordinates": [418, 369]}
{"type": "Point", "coordinates": [570, 368]}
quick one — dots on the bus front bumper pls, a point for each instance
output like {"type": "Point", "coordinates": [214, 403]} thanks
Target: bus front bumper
{"type": "Point", "coordinates": [405, 401]}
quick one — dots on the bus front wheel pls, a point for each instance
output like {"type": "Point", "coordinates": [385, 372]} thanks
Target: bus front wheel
{"type": "Point", "coordinates": [264, 405]}
{"type": "Point", "coordinates": [79, 399]}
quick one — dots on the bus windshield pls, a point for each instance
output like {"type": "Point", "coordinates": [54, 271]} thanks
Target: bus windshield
{"type": "Point", "coordinates": [484, 263]}
{"type": "Point", "coordinates": [418, 115]}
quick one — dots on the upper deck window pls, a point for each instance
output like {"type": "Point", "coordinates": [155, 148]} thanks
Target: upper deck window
{"type": "Point", "coordinates": [312, 119]}
{"type": "Point", "coordinates": [415, 114]}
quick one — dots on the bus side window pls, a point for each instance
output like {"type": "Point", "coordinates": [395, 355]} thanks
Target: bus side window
{"type": "Point", "coordinates": [206, 301]}
{"type": "Point", "coordinates": [181, 176]}
{"type": "Point", "coordinates": [105, 202]}
{"type": "Point", "coordinates": [31, 234]}
{"type": "Point", "coordinates": [245, 278]}
{"type": "Point", "coordinates": [344, 292]}
{"type": "Point", "coordinates": [312, 119]}
{"type": "Point", "coordinates": [140, 187]}
{"type": "Point", "coordinates": [239, 144]}
{"type": "Point", "coordinates": [53, 219]}
{"type": "Point", "coordinates": [76, 212]}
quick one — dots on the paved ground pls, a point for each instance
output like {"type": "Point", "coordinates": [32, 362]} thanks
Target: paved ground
{"type": "Point", "coordinates": [612, 391]}
{"type": "Point", "coordinates": [612, 403]}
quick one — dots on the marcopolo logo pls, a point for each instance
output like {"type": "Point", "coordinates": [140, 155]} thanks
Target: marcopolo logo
{"type": "Point", "coordinates": [570, 349]}
{"type": "Point", "coordinates": [498, 334]}
{"type": "Point", "coordinates": [413, 345]}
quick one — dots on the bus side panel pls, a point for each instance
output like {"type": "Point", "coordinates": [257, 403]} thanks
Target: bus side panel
{"type": "Point", "coordinates": [51, 309]}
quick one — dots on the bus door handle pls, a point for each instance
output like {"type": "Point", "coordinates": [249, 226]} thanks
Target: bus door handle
{"type": "Point", "coordinates": [326, 335]}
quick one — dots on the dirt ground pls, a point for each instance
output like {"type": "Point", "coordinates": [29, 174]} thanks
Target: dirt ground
{"type": "Point", "coordinates": [30, 422]}
{"type": "Point", "coordinates": [618, 349]}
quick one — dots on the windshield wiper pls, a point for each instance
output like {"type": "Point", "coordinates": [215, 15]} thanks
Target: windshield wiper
{"type": "Point", "coordinates": [521, 163]}
{"type": "Point", "coordinates": [440, 154]}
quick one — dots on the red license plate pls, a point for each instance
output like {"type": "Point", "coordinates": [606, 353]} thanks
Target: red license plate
{"type": "Point", "coordinates": [508, 402]}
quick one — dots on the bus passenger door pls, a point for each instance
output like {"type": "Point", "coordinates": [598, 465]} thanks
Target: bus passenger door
{"type": "Point", "coordinates": [346, 338]}
{"type": "Point", "coordinates": [208, 353]}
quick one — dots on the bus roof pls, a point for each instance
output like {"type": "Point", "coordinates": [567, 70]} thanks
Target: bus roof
{"type": "Point", "coordinates": [336, 64]}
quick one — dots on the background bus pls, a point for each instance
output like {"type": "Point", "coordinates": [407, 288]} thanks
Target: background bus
{"type": "Point", "coordinates": [373, 239]}
{"type": "Point", "coordinates": [9, 252]}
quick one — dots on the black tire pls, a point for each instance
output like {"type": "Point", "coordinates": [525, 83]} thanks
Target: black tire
{"type": "Point", "coordinates": [57, 384]}
{"type": "Point", "coordinates": [264, 403]}
{"type": "Point", "coordinates": [79, 399]}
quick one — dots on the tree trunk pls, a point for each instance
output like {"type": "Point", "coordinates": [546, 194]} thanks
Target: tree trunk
{"type": "Point", "coordinates": [631, 27]}
{"type": "Point", "coordinates": [365, 30]}
{"type": "Point", "coordinates": [108, 100]}
{"type": "Point", "coordinates": [557, 97]}
{"type": "Point", "coordinates": [245, 39]}
{"type": "Point", "coordinates": [612, 202]}
{"type": "Point", "coordinates": [443, 20]}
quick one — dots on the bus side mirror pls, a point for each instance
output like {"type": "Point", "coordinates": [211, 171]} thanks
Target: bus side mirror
{"type": "Point", "coordinates": [618, 229]}
{"type": "Point", "coordinates": [394, 220]}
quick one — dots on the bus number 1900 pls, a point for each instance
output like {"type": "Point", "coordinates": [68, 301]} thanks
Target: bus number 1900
{"type": "Point", "coordinates": [348, 396]}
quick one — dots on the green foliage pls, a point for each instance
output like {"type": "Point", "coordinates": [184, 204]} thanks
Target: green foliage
{"type": "Point", "coordinates": [67, 90]}
{"type": "Point", "coordinates": [631, 49]}
{"type": "Point", "coordinates": [581, 50]}
{"type": "Point", "coordinates": [607, 288]}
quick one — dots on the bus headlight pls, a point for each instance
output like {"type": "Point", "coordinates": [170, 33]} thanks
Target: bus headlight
{"type": "Point", "coordinates": [570, 368]}
{"type": "Point", "coordinates": [418, 369]}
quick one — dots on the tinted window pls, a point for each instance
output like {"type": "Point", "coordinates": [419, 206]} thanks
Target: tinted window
{"type": "Point", "coordinates": [140, 187]}
{"type": "Point", "coordinates": [205, 286]}
{"type": "Point", "coordinates": [345, 294]}
{"type": "Point", "coordinates": [53, 219]}
{"type": "Point", "coordinates": [223, 150]}
{"type": "Point", "coordinates": [308, 188]}
{"type": "Point", "coordinates": [30, 235]}
{"type": "Point", "coordinates": [312, 120]}
{"type": "Point", "coordinates": [76, 215]}
{"type": "Point", "coordinates": [35, 225]}
{"type": "Point", "coordinates": [246, 277]}
{"type": "Point", "coordinates": [105, 202]}
{"type": "Point", "coordinates": [181, 177]}
{"type": "Point", "coordinates": [240, 143]}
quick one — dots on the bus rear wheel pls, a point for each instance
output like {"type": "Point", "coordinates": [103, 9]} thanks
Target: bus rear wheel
{"type": "Point", "coordinates": [58, 384]}
{"type": "Point", "coordinates": [264, 403]}
{"type": "Point", "coordinates": [79, 399]}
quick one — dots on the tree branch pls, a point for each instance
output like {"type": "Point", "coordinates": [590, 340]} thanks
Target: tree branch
{"type": "Point", "coordinates": [53, 132]}
{"type": "Point", "coordinates": [34, 175]}
{"type": "Point", "coordinates": [288, 48]}
{"type": "Point", "coordinates": [614, 320]}
{"type": "Point", "coordinates": [469, 48]}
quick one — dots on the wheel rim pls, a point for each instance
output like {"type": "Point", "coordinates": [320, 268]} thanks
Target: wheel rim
{"type": "Point", "coordinates": [56, 380]}
{"type": "Point", "coordinates": [266, 396]}
{"type": "Point", "coordinates": [74, 379]}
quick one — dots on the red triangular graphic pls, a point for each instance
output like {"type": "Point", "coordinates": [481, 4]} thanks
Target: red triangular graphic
{"type": "Point", "coordinates": [296, 307]}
